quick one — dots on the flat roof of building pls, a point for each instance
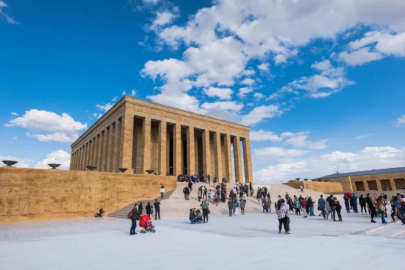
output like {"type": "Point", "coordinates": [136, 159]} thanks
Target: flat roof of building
{"type": "Point", "coordinates": [360, 173]}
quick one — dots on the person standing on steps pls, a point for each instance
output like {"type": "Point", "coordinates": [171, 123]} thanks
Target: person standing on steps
{"type": "Point", "coordinates": [157, 209]}
{"type": "Point", "coordinates": [230, 206]}
{"type": "Point", "coordinates": [190, 186]}
{"type": "Point", "coordinates": [199, 192]}
{"type": "Point", "coordinates": [134, 216]}
{"type": "Point", "coordinates": [162, 191]}
{"type": "Point", "coordinates": [205, 193]}
{"type": "Point", "coordinates": [371, 207]}
{"type": "Point", "coordinates": [186, 192]}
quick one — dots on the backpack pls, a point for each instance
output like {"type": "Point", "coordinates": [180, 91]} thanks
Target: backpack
{"type": "Point", "coordinates": [236, 204]}
{"type": "Point", "coordinates": [130, 214]}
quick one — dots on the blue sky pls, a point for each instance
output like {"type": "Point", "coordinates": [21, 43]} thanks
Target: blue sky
{"type": "Point", "coordinates": [319, 82]}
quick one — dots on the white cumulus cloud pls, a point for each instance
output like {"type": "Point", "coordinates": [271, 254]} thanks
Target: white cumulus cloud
{"type": "Point", "coordinates": [63, 127]}
{"type": "Point", "coordinates": [58, 157]}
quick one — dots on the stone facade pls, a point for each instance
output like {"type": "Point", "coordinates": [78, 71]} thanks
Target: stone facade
{"type": "Point", "coordinates": [36, 194]}
{"type": "Point", "coordinates": [378, 182]}
{"type": "Point", "coordinates": [141, 135]}
{"type": "Point", "coordinates": [323, 187]}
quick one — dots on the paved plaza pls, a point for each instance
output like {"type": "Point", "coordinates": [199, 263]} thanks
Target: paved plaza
{"type": "Point", "coordinates": [238, 242]}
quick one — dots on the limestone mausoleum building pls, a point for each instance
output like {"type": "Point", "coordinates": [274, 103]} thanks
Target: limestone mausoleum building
{"type": "Point", "coordinates": [141, 135]}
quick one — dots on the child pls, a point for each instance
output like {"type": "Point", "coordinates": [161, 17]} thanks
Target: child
{"type": "Point", "coordinates": [235, 207]}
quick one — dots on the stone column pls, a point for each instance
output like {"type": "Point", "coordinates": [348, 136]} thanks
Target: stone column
{"type": "Point", "coordinates": [365, 185]}
{"type": "Point", "coordinates": [114, 167]}
{"type": "Point", "coordinates": [128, 141]}
{"type": "Point", "coordinates": [218, 156]}
{"type": "Point", "coordinates": [237, 156]}
{"type": "Point", "coordinates": [86, 161]}
{"type": "Point", "coordinates": [393, 185]}
{"type": "Point", "coordinates": [110, 148]}
{"type": "Point", "coordinates": [77, 159]}
{"type": "Point", "coordinates": [228, 159]}
{"type": "Point", "coordinates": [206, 152]}
{"type": "Point", "coordinates": [247, 160]}
{"type": "Point", "coordinates": [90, 160]}
{"type": "Point", "coordinates": [162, 162]}
{"type": "Point", "coordinates": [177, 149]}
{"type": "Point", "coordinates": [100, 151]}
{"type": "Point", "coordinates": [84, 157]}
{"type": "Point", "coordinates": [95, 157]}
{"type": "Point", "coordinates": [146, 153]}
{"type": "Point", "coordinates": [190, 151]}
{"type": "Point", "coordinates": [379, 187]}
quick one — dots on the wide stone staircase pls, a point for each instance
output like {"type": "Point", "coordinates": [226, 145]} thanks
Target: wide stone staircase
{"type": "Point", "coordinates": [174, 204]}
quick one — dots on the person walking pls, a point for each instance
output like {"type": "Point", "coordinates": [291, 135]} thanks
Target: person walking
{"type": "Point", "coordinates": [362, 202]}
{"type": "Point", "coordinates": [209, 195]}
{"type": "Point", "coordinates": [282, 215]}
{"type": "Point", "coordinates": [134, 216]}
{"type": "Point", "coordinates": [186, 192]}
{"type": "Point", "coordinates": [162, 191]}
{"type": "Point", "coordinates": [156, 204]}
{"type": "Point", "coordinates": [332, 207]}
{"type": "Point", "coordinates": [205, 210]}
{"type": "Point", "coordinates": [242, 204]}
{"type": "Point", "coordinates": [302, 188]}
{"type": "Point", "coordinates": [235, 207]}
{"type": "Point", "coordinates": [310, 204]}
{"type": "Point", "coordinates": [265, 205]}
{"type": "Point", "coordinates": [258, 196]}
{"type": "Point", "coordinates": [338, 208]}
{"type": "Point", "coordinates": [199, 193]}
{"type": "Point", "coordinates": [230, 206]}
{"type": "Point", "coordinates": [346, 203]}
{"type": "Point", "coordinates": [328, 210]}
{"type": "Point", "coordinates": [297, 207]}
{"type": "Point", "coordinates": [205, 193]}
{"type": "Point", "coordinates": [148, 209]}
{"type": "Point", "coordinates": [381, 209]}
{"type": "Point", "coordinates": [394, 210]}
{"type": "Point", "coordinates": [353, 201]}
{"type": "Point", "coordinates": [321, 206]}
{"type": "Point", "coordinates": [140, 208]}
{"type": "Point", "coordinates": [190, 186]}
{"type": "Point", "coordinates": [371, 207]}
{"type": "Point", "coordinates": [303, 205]}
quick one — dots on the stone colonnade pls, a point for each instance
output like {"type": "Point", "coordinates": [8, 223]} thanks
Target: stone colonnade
{"type": "Point", "coordinates": [141, 143]}
{"type": "Point", "coordinates": [102, 151]}
{"type": "Point", "coordinates": [179, 148]}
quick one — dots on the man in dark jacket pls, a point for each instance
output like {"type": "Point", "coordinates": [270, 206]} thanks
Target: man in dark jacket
{"type": "Point", "coordinates": [186, 192]}
{"type": "Point", "coordinates": [134, 217]}
{"type": "Point", "coordinates": [321, 206]}
{"type": "Point", "coordinates": [362, 202]}
{"type": "Point", "coordinates": [230, 206]}
{"type": "Point", "coordinates": [353, 201]}
{"type": "Point", "coordinates": [371, 207]}
{"type": "Point", "coordinates": [157, 209]}
{"type": "Point", "coordinates": [346, 203]}
{"type": "Point", "coordinates": [190, 186]}
{"type": "Point", "coordinates": [310, 205]}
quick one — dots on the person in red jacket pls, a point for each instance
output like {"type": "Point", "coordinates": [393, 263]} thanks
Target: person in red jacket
{"type": "Point", "coordinates": [304, 206]}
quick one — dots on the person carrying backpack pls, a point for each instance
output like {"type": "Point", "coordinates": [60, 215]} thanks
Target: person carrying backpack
{"type": "Point", "coordinates": [134, 215]}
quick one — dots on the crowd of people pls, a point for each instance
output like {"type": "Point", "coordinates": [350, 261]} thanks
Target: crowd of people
{"type": "Point", "coordinates": [236, 198]}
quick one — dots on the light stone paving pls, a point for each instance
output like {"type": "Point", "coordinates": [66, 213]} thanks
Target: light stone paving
{"type": "Point", "coordinates": [238, 242]}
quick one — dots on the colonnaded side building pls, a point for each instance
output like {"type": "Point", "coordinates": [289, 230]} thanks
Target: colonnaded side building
{"type": "Point", "coordinates": [139, 135]}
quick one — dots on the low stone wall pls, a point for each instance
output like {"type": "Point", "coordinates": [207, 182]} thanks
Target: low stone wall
{"type": "Point", "coordinates": [323, 187]}
{"type": "Point", "coordinates": [36, 194]}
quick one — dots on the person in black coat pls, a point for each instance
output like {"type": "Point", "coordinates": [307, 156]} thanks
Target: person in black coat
{"type": "Point", "coordinates": [362, 202]}
{"type": "Point", "coordinates": [371, 207]}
